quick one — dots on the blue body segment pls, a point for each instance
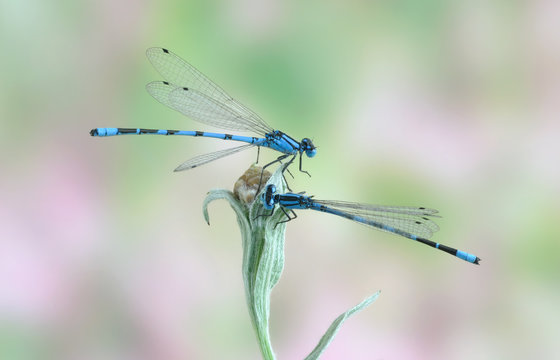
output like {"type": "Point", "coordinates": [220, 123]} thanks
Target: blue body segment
{"type": "Point", "coordinates": [409, 222]}
{"type": "Point", "coordinates": [130, 131]}
{"type": "Point", "coordinates": [189, 92]}
{"type": "Point", "coordinates": [467, 257]}
{"type": "Point", "coordinates": [283, 143]}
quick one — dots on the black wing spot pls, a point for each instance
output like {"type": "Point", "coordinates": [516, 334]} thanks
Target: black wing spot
{"type": "Point", "coordinates": [165, 83]}
{"type": "Point", "coordinates": [186, 89]}
{"type": "Point", "coordinates": [165, 50]}
{"type": "Point", "coordinates": [418, 222]}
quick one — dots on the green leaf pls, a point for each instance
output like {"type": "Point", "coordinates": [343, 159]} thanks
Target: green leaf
{"type": "Point", "coordinates": [263, 254]}
{"type": "Point", "coordinates": [335, 326]}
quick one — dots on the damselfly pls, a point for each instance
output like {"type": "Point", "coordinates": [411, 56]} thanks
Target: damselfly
{"type": "Point", "coordinates": [410, 222]}
{"type": "Point", "coordinates": [189, 92]}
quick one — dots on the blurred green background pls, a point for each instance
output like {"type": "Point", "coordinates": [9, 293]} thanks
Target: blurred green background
{"type": "Point", "coordinates": [104, 253]}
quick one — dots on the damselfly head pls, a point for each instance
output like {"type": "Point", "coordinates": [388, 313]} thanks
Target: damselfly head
{"type": "Point", "coordinates": [308, 147]}
{"type": "Point", "coordinates": [267, 197]}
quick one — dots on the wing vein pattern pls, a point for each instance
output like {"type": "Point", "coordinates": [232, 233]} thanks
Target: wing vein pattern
{"type": "Point", "coordinates": [413, 220]}
{"type": "Point", "coordinates": [190, 92]}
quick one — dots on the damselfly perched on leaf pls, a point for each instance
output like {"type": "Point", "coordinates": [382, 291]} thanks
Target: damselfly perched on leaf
{"type": "Point", "coordinates": [410, 222]}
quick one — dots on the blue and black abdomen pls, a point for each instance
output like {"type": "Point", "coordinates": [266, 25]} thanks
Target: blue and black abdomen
{"type": "Point", "coordinates": [138, 131]}
{"type": "Point", "coordinates": [379, 225]}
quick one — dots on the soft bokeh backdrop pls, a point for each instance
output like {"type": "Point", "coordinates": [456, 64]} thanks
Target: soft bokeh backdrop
{"type": "Point", "coordinates": [104, 253]}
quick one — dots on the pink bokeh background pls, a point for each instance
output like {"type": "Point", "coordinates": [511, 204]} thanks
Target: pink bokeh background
{"type": "Point", "coordinates": [104, 253]}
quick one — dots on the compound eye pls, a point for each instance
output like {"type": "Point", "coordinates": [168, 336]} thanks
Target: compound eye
{"type": "Point", "coordinates": [268, 196]}
{"type": "Point", "coordinates": [310, 149]}
{"type": "Point", "coordinates": [267, 202]}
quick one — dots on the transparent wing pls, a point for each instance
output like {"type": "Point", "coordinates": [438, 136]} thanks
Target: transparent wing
{"type": "Point", "coordinates": [409, 210]}
{"type": "Point", "coordinates": [202, 108]}
{"type": "Point", "coordinates": [181, 74]}
{"type": "Point", "coordinates": [413, 220]}
{"type": "Point", "coordinates": [160, 90]}
{"type": "Point", "coordinates": [206, 158]}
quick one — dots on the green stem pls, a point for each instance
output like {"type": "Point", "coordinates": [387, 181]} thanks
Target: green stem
{"type": "Point", "coordinates": [263, 256]}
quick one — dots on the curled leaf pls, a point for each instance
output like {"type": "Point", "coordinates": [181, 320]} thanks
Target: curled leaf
{"type": "Point", "coordinates": [263, 253]}
{"type": "Point", "coordinates": [263, 248]}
